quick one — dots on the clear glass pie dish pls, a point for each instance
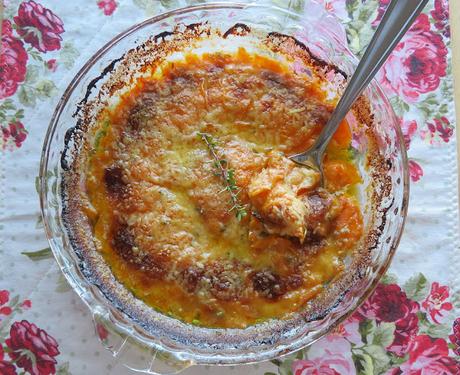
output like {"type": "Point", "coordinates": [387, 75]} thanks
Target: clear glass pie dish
{"type": "Point", "coordinates": [145, 339]}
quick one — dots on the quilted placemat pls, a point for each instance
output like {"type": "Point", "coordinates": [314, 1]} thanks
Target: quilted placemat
{"type": "Point", "coordinates": [411, 324]}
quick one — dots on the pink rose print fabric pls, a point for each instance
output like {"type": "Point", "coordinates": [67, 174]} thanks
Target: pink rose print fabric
{"type": "Point", "coordinates": [436, 304]}
{"type": "Point", "coordinates": [5, 310]}
{"type": "Point", "coordinates": [428, 356]}
{"type": "Point", "coordinates": [405, 333]}
{"type": "Point", "coordinates": [6, 368]}
{"type": "Point", "coordinates": [25, 347]}
{"type": "Point", "coordinates": [329, 356]}
{"type": "Point", "coordinates": [414, 73]}
{"type": "Point", "coordinates": [409, 129]}
{"type": "Point", "coordinates": [415, 171]}
{"type": "Point", "coordinates": [27, 336]}
{"type": "Point", "coordinates": [337, 7]}
{"type": "Point", "coordinates": [440, 15]}
{"type": "Point", "coordinates": [31, 33]}
{"type": "Point", "coordinates": [319, 366]}
{"type": "Point", "coordinates": [39, 26]}
{"type": "Point", "coordinates": [380, 11]}
{"type": "Point", "coordinates": [52, 65]}
{"type": "Point", "coordinates": [439, 130]}
{"type": "Point", "coordinates": [107, 6]}
{"type": "Point", "coordinates": [393, 332]}
{"type": "Point", "coordinates": [13, 60]}
{"type": "Point", "coordinates": [455, 336]}
{"type": "Point", "coordinates": [388, 304]}
{"type": "Point", "coordinates": [14, 132]}
{"type": "Point", "coordinates": [417, 64]}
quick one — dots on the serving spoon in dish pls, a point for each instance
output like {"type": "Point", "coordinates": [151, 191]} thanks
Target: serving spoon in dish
{"type": "Point", "coordinates": [398, 18]}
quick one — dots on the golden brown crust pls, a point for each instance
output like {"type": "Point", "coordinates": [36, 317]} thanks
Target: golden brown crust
{"type": "Point", "coordinates": [220, 281]}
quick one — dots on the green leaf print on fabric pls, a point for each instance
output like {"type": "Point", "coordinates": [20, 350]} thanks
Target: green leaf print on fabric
{"type": "Point", "coordinates": [45, 89]}
{"type": "Point", "coordinates": [380, 358]}
{"type": "Point", "coordinates": [35, 54]}
{"type": "Point", "coordinates": [359, 29]}
{"type": "Point", "coordinates": [68, 55]}
{"type": "Point", "coordinates": [456, 300]}
{"type": "Point", "coordinates": [363, 362]}
{"type": "Point", "coordinates": [430, 329]}
{"type": "Point", "coordinates": [63, 369]}
{"type": "Point", "coordinates": [389, 278]}
{"type": "Point", "coordinates": [50, 176]}
{"type": "Point", "coordinates": [153, 7]}
{"type": "Point", "coordinates": [26, 97]}
{"type": "Point", "coordinates": [399, 105]}
{"type": "Point", "coordinates": [295, 5]}
{"type": "Point", "coordinates": [62, 284]}
{"type": "Point", "coordinates": [39, 254]}
{"type": "Point", "coordinates": [366, 327]}
{"type": "Point", "coordinates": [33, 89]}
{"type": "Point", "coordinates": [430, 107]}
{"type": "Point", "coordinates": [33, 71]}
{"type": "Point", "coordinates": [382, 334]}
{"type": "Point", "coordinates": [54, 203]}
{"type": "Point", "coordinates": [416, 287]}
{"type": "Point", "coordinates": [284, 367]}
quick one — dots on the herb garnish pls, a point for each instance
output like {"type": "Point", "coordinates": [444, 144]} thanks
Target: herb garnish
{"type": "Point", "coordinates": [101, 133]}
{"type": "Point", "coordinates": [227, 175]}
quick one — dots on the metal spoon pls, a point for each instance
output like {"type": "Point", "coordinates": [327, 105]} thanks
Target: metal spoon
{"type": "Point", "coordinates": [398, 18]}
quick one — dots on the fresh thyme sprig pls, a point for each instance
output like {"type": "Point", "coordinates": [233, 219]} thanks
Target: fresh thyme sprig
{"type": "Point", "coordinates": [227, 175]}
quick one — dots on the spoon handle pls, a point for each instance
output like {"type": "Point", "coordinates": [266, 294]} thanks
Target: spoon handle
{"type": "Point", "coordinates": [398, 17]}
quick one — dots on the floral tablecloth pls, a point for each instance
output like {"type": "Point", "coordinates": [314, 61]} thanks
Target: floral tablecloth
{"type": "Point", "coordinates": [411, 324]}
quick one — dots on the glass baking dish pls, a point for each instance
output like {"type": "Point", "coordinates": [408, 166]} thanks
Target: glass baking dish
{"type": "Point", "coordinates": [154, 343]}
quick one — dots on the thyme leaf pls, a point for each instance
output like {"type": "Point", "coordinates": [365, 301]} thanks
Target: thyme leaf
{"type": "Point", "coordinates": [227, 175]}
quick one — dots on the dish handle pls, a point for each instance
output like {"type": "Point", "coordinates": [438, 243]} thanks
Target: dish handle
{"type": "Point", "coordinates": [141, 358]}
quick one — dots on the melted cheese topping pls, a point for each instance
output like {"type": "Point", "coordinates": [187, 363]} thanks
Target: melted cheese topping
{"type": "Point", "coordinates": [276, 194]}
{"type": "Point", "coordinates": [164, 221]}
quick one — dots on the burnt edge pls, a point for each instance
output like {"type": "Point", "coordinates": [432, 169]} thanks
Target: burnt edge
{"type": "Point", "coordinates": [239, 29]}
{"type": "Point", "coordinates": [316, 61]}
{"type": "Point", "coordinates": [91, 263]}
{"type": "Point", "coordinates": [92, 85]}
